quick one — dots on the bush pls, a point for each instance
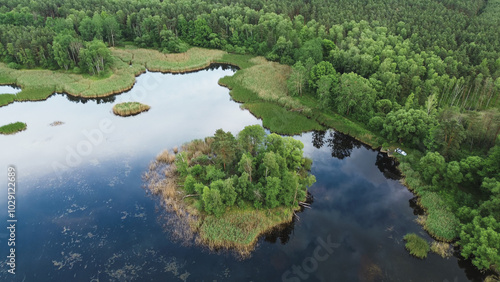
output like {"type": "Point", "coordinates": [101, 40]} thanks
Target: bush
{"type": "Point", "coordinates": [376, 123]}
{"type": "Point", "coordinates": [416, 245]}
{"type": "Point", "coordinates": [13, 65]}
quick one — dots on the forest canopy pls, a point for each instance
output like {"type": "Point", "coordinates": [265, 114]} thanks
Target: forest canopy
{"type": "Point", "coordinates": [265, 171]}
{"type": "Point", "coordinates": [422, 74]}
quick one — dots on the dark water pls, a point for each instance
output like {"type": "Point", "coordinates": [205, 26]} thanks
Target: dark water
{"type": "Point", "coordinates": [83, 214]}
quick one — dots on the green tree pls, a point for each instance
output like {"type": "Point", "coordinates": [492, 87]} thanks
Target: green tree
{"type": "Point", "coordinates": [432, 167]}
{"type": "Point", "coordinates": [327, 90]}
{"type": "Point", "coordinates": [453, 176]}
{"type": "Point", "coordinates": [407, 126]}
{"type": "Point", "coordinates": [251, 137]}
{"type": "Point", "coordinates": [321, 69]}
{"type": "Point", "coordinates": [297, 80]}
{"type": "Point", "coordinates": [212, 201]}
{"type": "Point", "coordinates": [246, 165]}
{"type": "Point", "coordinates": [480, 240]}
{"type": "Point", "coordinates": [356, 96]}
{"type": "Point", "coordinates": [224, 146]}
{"type": "Point", "coordinates": [272, 189]}
{"type": "Point", "coordinates": [94, 57]}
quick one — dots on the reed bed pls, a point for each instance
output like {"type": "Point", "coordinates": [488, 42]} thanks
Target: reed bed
{"type": "Point", "coordinates": [238, 229]}
{"type": "Point", "coordinates": [129, 109]}
{"type": "Point", "coordinates": [153, 60]}
{"type": "Point", "coordinates": [441, 248]}
{"type": "Point", "coordinates": [13, 128]}
{"type": "Point", "coordinates": [6, 99]}
{"type": "Point", "coordinates": [416, 245]}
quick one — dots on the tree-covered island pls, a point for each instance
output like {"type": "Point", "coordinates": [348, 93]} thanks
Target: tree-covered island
{"type": "Point", "coordinates": [232, 189]}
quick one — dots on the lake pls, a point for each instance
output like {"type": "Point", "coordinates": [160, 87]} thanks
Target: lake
{"type": "Point", "coordinates": [84, 215]}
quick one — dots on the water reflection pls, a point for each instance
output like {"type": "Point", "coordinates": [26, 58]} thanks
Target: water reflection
{"type": "Point", "coordinates": [387, 166]}
{"type": "Point", "coordinates": [341, 145]}
{"type": "Point", "coordinates": [103, 100]}
{"type": "Point", "coordinates": [96, 222]}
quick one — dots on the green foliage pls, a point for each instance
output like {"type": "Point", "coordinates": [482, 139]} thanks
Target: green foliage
{"type": "Point", "coordinates": [270, 170]}
{"type": "Point", "coordinates": [432, 167]}
{"type": "Point", "coordinates": [281, 120]}
{"type": "Point", "coordinates": [6, 99]}
{"type": "Point", "coordinates": [356, 97]}
{"type": "Point", "coordinates": [442, 224]}
{"type": "Point", "coordinates": [296, 83]}
{"type": "Point", "coordinates": [212, 201]}
{"type": "Point", "coordinates": [323, 68]}
{"type": "Point", "coordinates": [383, 106]}
{"type": "Point", "coordinates": [250, 137]}
{"type": "Point", "coordinates": [480, 239]}
{"type": "Point", "coordinates": [428, 57]}
{"type": "Point", "coordinates": [129, 108]}
{"type": "Point", "coordinates": [12, 128]}
{"type": "Point", "coordinates": [408, 126]}
{"type": "Point", "coordinates": [94, 57]}
{"type": "Point", "coordinates": [416, 245]}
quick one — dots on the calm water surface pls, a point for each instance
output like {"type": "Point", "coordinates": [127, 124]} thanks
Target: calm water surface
{"type": "Point", "coordinates": [83, 214]}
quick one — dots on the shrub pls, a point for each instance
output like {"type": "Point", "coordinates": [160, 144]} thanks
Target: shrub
{"type": "Point", "coordinates": [416, 245]}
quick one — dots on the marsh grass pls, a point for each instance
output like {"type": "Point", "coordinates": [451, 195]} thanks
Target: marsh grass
{"type": "Point", "coordinates": [153, 60]}
{"type": "Point", "coordinates": [13, 128]}
{"type": "Point", "coordinates": [280, 120]}
{"type": "Point", "coordinates": [242, 61]}
{"type": "Point", "coordinates": [129, 108]}
{"type": "Point", "coordinates": [416, 245]}
{"type": "Point", "coordinates": [441, 223]}
{"type": "Point", "coordinates": [442, 249]}
{"type": "Point", "coordinates": [32, 94]}
{"type": "Point", "coordinates": [6, 99]}
{"type": "Point", "coordinates": [238, 229]}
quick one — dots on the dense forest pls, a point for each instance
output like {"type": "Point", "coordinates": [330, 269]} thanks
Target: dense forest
{"type": "Point", "coordinates": [424, 74]}
{"type": "Point", "coordinates": [265, 171]}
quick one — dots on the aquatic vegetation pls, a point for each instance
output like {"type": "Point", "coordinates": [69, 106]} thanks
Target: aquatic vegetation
{"type": "Point", "coordinates": [12, 128]}
{"type": "Point", "coordinates": [129, 108]}
{"type": "Point", "coordinates": [230, 190]}
{"type": "Point", "coordinates": [416, 245]}
{"type": "Point", "coordinates": [6, 99]}
{"type": "Point", "coordinates": [441, 248]}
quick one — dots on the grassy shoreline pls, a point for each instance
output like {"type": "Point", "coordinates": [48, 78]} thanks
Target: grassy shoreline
{"type": "Point", "coordinates": [238, 229]}
{"type": "Point", "coordinates": [259, 84]}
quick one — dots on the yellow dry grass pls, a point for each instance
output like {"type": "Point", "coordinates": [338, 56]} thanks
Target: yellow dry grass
{"type": "Point", "coordinates": [441, 248]}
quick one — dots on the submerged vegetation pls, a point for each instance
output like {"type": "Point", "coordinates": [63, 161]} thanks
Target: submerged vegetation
{"type": "Point", "coordinates": [12, 128]}
{"type": "Point", "coordinates": [129, 108]}
{"type": "Point", "coordinates": [232, 189]}
{"type": "Point", "coordinates": [416, 245]}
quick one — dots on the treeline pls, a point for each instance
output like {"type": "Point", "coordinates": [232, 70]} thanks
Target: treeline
{"type": "Point", "coordinates": [461, 35]}
{"type": "Point", "coordinates": [263, 171]}
{"type": "Point", "coordinates": [422, 73]}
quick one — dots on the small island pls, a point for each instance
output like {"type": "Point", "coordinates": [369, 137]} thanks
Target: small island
{"type": "Point", "coordinates": [13, 128]}
{"type": "Point", "coordinates": [129, 109]}
{"type": "Point", "coordinates": [229, 190]}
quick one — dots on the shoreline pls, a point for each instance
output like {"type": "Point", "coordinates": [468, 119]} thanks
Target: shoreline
{"type": "Point", "coordinates": [187, 223]}
{"type": "Point", "coordinates": [332, 120]}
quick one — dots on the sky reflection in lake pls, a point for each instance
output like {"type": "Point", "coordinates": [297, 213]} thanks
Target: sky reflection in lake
{"type": "Point", "coordinates": [95, 222]}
